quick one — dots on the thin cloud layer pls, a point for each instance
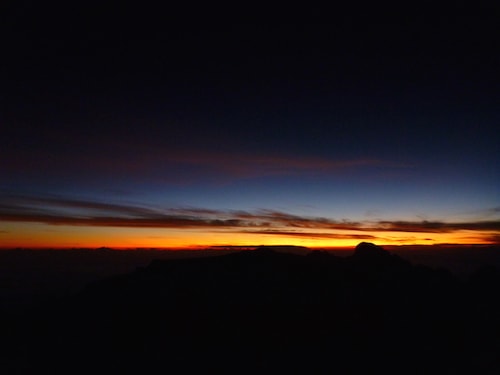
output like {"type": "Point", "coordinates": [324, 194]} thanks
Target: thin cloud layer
{"type": "Point", "coordinates": [315, 235]}
{"type": "Point", "coordinates": [54, 210]}
{"type": "Point", "coordinates": [173, 165]}
{"type": "Point", "coordinates": [242, 165]}
{"type": "Point", "coordinates": [439, 227]}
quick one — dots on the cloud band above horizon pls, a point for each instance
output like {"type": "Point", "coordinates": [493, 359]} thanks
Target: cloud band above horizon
{"type": "Point", "coordinates": [59, 211]}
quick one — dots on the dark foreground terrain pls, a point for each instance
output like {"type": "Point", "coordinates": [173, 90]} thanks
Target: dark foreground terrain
{"type": "Point", "coordinates": [264, 311]}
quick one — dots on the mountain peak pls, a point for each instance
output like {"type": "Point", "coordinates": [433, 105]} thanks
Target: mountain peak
{"type": "Point", "coordinates": [369, 250]}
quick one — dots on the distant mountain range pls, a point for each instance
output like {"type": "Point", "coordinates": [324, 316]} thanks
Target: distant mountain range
{"type": "Point", "coordinates": [267, 311]}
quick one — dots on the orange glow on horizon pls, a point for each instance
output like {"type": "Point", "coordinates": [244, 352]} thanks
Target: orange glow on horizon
{"type": "Point", "coordinates": [35, 235]}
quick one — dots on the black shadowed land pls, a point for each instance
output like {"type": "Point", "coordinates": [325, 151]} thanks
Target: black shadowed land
{"type": "Point", "coordinates": [266, 311]}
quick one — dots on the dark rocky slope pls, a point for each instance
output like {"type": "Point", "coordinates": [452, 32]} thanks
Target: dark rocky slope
{"type": "Point", "coordinates": [267, 311]}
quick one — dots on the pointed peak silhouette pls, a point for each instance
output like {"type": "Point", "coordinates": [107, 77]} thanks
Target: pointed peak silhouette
{"type": "Point", "coordinates": [369, 250]}
{"type": "Point", "coordinates": [368, 253]}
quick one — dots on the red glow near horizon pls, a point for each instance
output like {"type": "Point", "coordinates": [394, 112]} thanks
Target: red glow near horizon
{"type": "Point", "coordinates": [37, 235]}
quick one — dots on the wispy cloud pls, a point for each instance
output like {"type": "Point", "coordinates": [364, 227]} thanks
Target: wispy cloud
{"type": "Point", "coordinates": [173, 165]}
{"type": "Point", "coordinates": [314, 235]}
{"type": "Point", "coordinates": [55, 210]}
{"type": "Point", "coordinates": [246, 165]}
{"type": "Point", "coordinates": [437, 226]}
{"type": "Point", "coordinates": [20, 203]}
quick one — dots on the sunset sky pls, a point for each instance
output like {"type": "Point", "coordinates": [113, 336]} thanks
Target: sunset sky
{"type": "Point", "coordinates": [121, 129]}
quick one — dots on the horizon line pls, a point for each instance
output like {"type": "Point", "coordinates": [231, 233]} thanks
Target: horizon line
{"type": "Point", "coordinates": [240, 247]}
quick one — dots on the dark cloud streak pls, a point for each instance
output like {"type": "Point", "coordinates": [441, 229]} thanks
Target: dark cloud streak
{"type": "Point", "coordinates": [54, 211]}
{"type": "Point", "coordinates": [438, 227]}
{"type": "Point", "coordinates": [170, 165]}
{"type": "Point", "coordinates": [314, 235]}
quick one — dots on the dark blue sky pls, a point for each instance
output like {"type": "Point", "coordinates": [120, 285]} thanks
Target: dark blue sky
{"type": "Point", "coordinates": [377, 116]}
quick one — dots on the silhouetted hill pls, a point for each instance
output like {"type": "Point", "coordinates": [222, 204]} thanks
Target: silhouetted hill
{"type": "Point", "coordinates": [370, 251]}
{"type": "Point", "coordinates": [266, 311]}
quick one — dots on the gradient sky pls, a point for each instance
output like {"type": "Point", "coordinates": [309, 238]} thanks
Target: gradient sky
{"type": "Point", "coordinates": [122, 129]}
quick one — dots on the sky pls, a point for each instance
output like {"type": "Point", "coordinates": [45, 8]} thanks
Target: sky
{"type": "Point", "coordinates": [121, 128]}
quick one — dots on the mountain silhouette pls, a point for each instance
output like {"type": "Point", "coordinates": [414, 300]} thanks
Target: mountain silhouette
{"type": "Point", "coordinates": [264, 310]}
{"type": "Point", "coordinates": [369, 250]}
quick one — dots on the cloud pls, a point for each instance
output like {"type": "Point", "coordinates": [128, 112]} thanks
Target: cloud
{"type": "Point", "coordinates": [189, 167]}
{"type": "Point", "coordinates": [25, 202]}
{"type": "Point", "coordinates": [437, 226]}
{"type": "Point", "coordinates": [56, 210]}
{"type": "Point", "coordinates": [175, 166]}
{"type": "Point", "coordinates": [194, 211]}
{"type": "Point", "coordinates": [313, 235]}
{"type": "Point", "coordinates": [162, 221]}
{"type": "Point", "coordinates": [246, 165]}
{"type": "Point", "coordinates": [493, 238]}
{"type": "Point", "coordinates": [295, 221]}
